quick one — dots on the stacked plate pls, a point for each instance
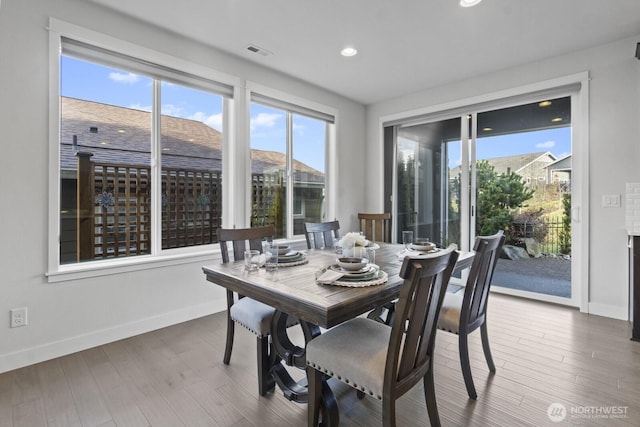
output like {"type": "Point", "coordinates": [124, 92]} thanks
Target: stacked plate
{"type": "Point", "coordinates": [423, 246]}
{"type": "Point", "coordinates": [368, 272]}
{"type": "Point", "coordinates": [291, 256]}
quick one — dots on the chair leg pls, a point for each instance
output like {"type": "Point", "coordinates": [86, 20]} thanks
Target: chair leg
{"type": "Point", "coordinates": [430, 398]}
{"type": "Point", "coordinates": [388, 412]}
{"type": "Point", "coordinates": [229, 345]}
{"type": "Point", "coordinates": [485, 347]}
{"type": "Point", "coordinates": [466, 366]}
{"type": "Point", "coordinates": [314, 404]}
{"type": "Point", "coordinates": [266, 382]}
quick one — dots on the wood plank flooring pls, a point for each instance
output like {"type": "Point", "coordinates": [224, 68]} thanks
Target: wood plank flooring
{"type": "Point", "coordinates": [544, 354]}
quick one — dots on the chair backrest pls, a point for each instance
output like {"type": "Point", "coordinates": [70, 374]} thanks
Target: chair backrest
{"type": "Point", "coordinates": [476, 293]}
{"type": "Point", "coordinates": [239, 237]}
{"type": "Point", "coordinates": [376, 226]}
{"type": "Point", "coordinates": [321, 234]}
{"type": "Point", "coordinates": [414, 327]}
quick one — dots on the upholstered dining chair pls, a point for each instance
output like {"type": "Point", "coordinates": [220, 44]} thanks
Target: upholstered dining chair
{"type": "Point", "coordinates": [376, 226]}
{"type": "Point", "coordinates": [381, 361]}
{"type": "Point", "coordinates": [466, 310]}
{"type": "Point", "coordinates": [321, 234]}
{"type": "Point", "coordinates": [252, 314]}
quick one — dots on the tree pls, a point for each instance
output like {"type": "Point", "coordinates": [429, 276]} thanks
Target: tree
{"type": "Point", "coordinates": [498, 196]}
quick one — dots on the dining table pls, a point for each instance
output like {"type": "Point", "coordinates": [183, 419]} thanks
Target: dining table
{"type": "Point", "coordinates": [293, 290]}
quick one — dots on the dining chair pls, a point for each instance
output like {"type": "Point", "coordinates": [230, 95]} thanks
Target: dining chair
{"type": "Point", "coordinates": [466, 310]}
{"type": "Point", "coordinates": [376, 226]}
{"type": "Point", "coordinates": [321, 234]}
{"type": "Point", "coordinates": [381, 361]}
{"type": "Point", "coordinates": [252, 314]}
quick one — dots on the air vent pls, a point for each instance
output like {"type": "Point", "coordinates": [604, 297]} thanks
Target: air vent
{"type": "Point", "coordinates": [257, 49]}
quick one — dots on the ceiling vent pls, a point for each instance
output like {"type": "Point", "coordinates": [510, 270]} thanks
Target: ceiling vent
{"type": "Point", "coordinates": [259, 50]}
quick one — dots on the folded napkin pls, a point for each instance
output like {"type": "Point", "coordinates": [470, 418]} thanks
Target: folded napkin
{"type": "Point", "coordinates": [329, 276]}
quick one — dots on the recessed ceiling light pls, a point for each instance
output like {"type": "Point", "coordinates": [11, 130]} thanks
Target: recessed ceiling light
{"type": "Point", "coordinates": [556, 119]}
{"type": "Point", "coordinates": [348, 51]}
{"type": "Point", "coordinates": [121, 131]}
{"type": "Point", "coordinates": [487, 129]}
{"type": "Point", "coordinates": [469, 3]}
{"type": "Point", "coordinates": [544, 104]}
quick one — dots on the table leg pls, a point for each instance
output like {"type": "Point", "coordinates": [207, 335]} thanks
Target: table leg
{"type": "Point", "coordinates": [287, 352]}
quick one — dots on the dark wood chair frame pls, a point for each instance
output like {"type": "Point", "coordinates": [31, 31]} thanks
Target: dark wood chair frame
{"type": "Point", "coordinates": [473, 313]}
{"type": "Point", "coordinates": [239, 237]}
{"type": "Point", "coordinates": [412, 341]}
{"type": "Point", "coordinates": [321, 234]}
{"type": "Point", "coordinates": [376, 226]}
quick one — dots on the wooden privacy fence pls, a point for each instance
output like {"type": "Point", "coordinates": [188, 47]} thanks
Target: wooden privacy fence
{"type": "Point", "coordinates": [114, 208]}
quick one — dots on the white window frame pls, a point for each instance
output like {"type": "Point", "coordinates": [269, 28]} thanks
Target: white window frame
{"type": "Point", "coordinates": [57, 272]}
{"type": "Point", "coordinates": [294, 105]}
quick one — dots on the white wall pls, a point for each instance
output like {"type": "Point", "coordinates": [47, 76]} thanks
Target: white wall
{"type": "Point", "coordinates": [73, 315]}
{"type": "Point", "coordinates": [614, 150]}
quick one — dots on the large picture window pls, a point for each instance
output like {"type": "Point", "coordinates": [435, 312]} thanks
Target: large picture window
{"type": "Point", "coordinates": [140, 156]}
{"type": "Point", "coordinates": [288, 146]}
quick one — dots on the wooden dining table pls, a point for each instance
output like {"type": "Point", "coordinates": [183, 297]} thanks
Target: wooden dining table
{"type": "Point", "coordinates": [294, 291]}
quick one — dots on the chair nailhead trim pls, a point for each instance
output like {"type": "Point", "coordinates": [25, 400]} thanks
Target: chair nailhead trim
{"type": "Point", "coordinates": [345, 380]}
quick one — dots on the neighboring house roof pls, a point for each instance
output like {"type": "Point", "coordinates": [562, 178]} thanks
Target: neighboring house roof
{"type": "Point", "coordinates": [519, 162]}
{"type": "Point", "coordinates": [122, 136]}
{"type": "Point", "coordinates": [515, 163]}
{"type": "Point", "coordinates": [561, 164]}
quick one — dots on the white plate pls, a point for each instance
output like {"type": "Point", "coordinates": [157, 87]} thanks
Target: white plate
{"type": "Point", "coordinates": [289, 255]}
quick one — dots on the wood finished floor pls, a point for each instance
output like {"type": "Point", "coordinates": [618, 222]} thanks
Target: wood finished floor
{"type": "Point", "coordinates": [544, 354]}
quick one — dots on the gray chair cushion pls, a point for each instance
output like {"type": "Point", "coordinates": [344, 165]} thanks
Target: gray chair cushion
{"type": "Point", "coordinates": [253, 315]}
{"type": "Point", "coordinates": [354, 352]}
{"type": "Point", "coordinates": [449, 319]}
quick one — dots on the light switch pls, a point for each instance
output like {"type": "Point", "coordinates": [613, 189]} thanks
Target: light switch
{"type": "Point", "coordinates": [611, 201]}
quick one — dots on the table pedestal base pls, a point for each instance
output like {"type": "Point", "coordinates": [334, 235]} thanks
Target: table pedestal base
{"type": "Point", "coordinates": [295, 356]}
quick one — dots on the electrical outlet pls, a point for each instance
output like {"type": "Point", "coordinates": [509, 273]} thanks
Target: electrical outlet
{"type": "Point", "coordinates": [18, 317]}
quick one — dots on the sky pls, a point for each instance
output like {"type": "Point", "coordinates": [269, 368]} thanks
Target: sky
{"type": "Point", "coordinates": [93, 82]}
{"type": "Point", "coordinates": [85, 80]}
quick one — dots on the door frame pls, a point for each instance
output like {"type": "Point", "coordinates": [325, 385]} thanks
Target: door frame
{"type": "Point", "coordinates": [574, 85]}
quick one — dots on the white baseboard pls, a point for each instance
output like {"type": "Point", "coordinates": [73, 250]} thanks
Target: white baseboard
{"type": "Point", "coordinates": [41, 353]}
{"type": "Point", "coordinates": [606, 310]}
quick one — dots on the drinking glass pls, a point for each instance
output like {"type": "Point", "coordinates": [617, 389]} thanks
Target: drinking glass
{"type": "Point", "coordinates": [370, 255]}
{"type": "Point", "coordinates": [348, 249]}
{"type": "Point", "coordinates": [270, 250]}
{"type": "Point", "coordinates": [251, 260]}
{"type": "Point", "coordinates": [407, 239]}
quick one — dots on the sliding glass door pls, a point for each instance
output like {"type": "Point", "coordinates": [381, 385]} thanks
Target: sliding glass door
{"type": "Point", "coordinates": [428, 199]}
{"type": "Point", "coordinates": [482, 171]}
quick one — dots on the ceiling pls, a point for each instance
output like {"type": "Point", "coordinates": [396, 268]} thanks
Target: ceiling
{"type": "Point", "coordinates": [403, 45]}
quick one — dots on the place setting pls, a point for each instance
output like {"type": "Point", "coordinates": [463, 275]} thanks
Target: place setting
{"type": "Point", "coordinates": [416, 248]}
{"type": "Point", "coordinates": [273, 255]}
{"type": "Point", "coordinates": [353, 272]}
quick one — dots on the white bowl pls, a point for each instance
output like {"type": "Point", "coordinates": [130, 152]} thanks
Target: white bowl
{"type": "Point", "coordinates": [351, 263]}
{"type": "Point", "coordinates": [423, 246]}
{"type": "Point", "coordinates": [283, 249]}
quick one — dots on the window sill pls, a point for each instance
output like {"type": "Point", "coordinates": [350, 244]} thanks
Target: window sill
{"type": "Point", "coordinates": [126, 265]}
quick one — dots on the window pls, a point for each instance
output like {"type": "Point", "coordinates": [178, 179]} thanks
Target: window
{"type": "Point", "coordinates": [140, 156]}
{"type": "Point", "coordinates": [288, 146]}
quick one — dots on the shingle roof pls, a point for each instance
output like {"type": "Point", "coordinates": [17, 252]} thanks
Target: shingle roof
{"type": "Point", "coordinates": [519, 161]}
{"type": "Point", "coordinates": [515, 163]}
{"type": "Point", "coordinates": [122, 136]}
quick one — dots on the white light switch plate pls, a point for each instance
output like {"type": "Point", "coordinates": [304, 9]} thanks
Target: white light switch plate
{"type": "Point", "coordinates": [611, 201]}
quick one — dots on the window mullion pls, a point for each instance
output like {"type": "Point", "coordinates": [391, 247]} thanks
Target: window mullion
{"type": "Point", "coordinates": [156, 168]}
{"type": "Point", "coordinates": [289, 176]}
